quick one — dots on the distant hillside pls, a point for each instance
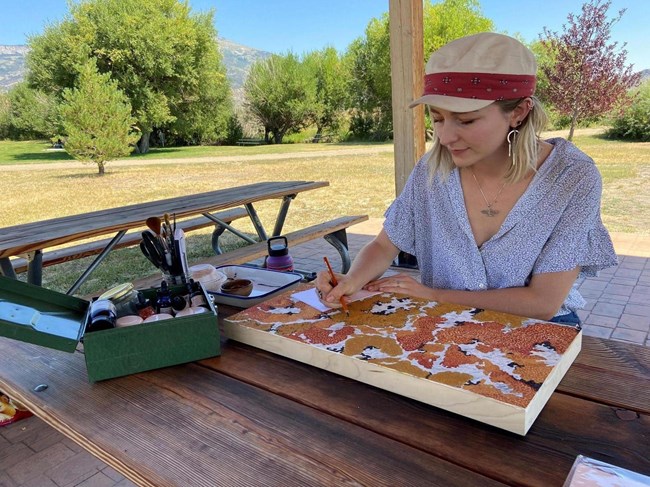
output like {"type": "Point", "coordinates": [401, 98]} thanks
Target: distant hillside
{"type": "Point", "coordinates": [237, 59]}
{"type": "Point", "coordinates": [12, 65]}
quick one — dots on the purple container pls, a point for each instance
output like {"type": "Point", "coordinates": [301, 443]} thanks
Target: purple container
{"type": "Point", "coordinates": [279, 258]}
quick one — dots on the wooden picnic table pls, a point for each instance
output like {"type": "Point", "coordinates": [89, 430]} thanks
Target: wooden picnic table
{"type": "Point", "coordinates": [250, 417]}
{"type": "Point", "coordinates": [33, 238]}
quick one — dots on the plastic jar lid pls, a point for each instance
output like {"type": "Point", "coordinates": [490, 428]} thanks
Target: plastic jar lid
{"type": "Point", "coordinates": [118, 292]}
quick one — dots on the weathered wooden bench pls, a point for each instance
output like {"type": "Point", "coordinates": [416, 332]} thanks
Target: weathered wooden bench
{"type": "Point", "coordinates": [251, 142]}
{"type": "Point", "coordinates": [334, 231]}
{"type": "Point", "coordinates": [133, 238]}
{"type": "Point", "coordinates": [321, 138]}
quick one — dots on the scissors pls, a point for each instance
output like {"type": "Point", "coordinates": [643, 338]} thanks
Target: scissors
{"type": "Point", "coordinates": [153, 250]}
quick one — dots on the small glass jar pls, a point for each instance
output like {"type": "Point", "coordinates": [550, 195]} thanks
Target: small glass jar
{"type": "Point", "coordinates": [124, 297]}
{"type": "Point", "coordinates": [101, 316]}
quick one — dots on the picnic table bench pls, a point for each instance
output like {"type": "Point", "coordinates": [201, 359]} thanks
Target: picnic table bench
{"type": "Point", "coordinates": [251, 141]}
{"type": "Point", "coordinates": [32, 238]}
{"type": "Point", "coordinates": [131, 239]}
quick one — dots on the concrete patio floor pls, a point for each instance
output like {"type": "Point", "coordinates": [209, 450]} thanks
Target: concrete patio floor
{"type": "Point", "coordinates": [32, 454]}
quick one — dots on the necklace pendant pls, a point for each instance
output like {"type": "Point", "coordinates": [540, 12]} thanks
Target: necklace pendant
{"type": "Point", "coordinates": [490, 212]}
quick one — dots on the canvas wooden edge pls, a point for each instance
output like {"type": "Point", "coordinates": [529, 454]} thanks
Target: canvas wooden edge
{"type": "Point", "coordinates": [466, 403]}
{"type": "Point", "coordinates": [550, 384]}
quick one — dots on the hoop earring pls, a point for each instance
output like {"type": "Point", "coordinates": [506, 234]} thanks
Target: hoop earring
{"type": "Point", "coordinates": [512, 139]}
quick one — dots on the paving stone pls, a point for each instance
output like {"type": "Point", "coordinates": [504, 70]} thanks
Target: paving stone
{"type": "Point", "coordinates": [97, 480]}
{"type": "Point", "coordinates": [627, 273]}
{"type": "Point", "coordinates": [635, 322]}
{"type": "Point", "coordinates": [78, 468]}
{"type": "Point", "coordinates": [618, 289]}
{"type": "Point", "coordinates": [590, 293]}
{"type": "Point", "coordinates": [40, 481]}
{"type": "Point", "coordinates": [5, 480]}
{"type": "Point", "coordinates": [39, 463]}
{"type": "Point", "coordinates": [613, 298]}
{"type": "Point", "coordinates": [596, 331]}
{"type": "Point", "coordinates": [18, 431]}
{"type": "Point", "coordinates": [112, 473]}
{"type": "Point", "coordinates": [125, 483]}
{"type": "Point", "coordinates": [637, 309]}
{"type": "Point", "coordinates": [594, 284]}
{"type": "Point", "coordinates": [606, 321]}
{"type": "Point", "coordinates": [608, 309]}
{"type": "Point", "coordinates": [624, 282]}
{"type": "Point", "coordinates": [16, 453]}
{"type": "Point", "coordinates": [628, 335]}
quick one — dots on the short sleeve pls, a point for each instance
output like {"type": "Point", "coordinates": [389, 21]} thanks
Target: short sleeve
{"type": "Point", "coordinates": [400, 215]}
{"type": "Point", "coordinates": [579, 238]}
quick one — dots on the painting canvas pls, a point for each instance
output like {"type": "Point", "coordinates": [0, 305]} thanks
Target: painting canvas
{"type": "Point", "coordinates": [493, 367]}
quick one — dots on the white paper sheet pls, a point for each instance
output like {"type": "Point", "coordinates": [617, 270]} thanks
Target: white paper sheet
{"type": "Point", "coordinates": [310, 297]}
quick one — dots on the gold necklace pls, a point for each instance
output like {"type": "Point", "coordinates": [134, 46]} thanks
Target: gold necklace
{"type": "Point", "coordinates": [489, 211]}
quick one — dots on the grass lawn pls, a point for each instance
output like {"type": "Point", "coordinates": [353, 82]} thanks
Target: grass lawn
{"type": "Point", "coordinates": [40, 151]}
{"type": "Point", "coordinates": [359, 184]}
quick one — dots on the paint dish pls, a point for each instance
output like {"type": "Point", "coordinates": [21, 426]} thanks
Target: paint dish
{"type": "Point", "coordinates": [238, 287]}
{"type": "Point", "coordinates": [158, 317]}
{"type": "Point", "coordinates": [128, 320]}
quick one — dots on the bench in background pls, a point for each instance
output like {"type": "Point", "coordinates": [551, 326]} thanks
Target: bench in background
{"type": "Point", "coordinates": [334, 231]}
{"type": "Point", "coordinates": [251, 142]}
{"type": "Point", "coordinates": [133, 238]}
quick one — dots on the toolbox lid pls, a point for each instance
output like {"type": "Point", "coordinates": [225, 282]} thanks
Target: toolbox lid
{"type": "Point", "coordinates": [41, 316]}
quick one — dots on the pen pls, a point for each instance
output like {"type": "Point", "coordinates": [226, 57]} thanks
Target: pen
{"type": "Point", "coordinates": [334, 282]}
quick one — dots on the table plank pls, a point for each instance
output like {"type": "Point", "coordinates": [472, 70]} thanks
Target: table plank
{"type": "Point", "coordinates": [543, 457]}
{"type": "Point", "coordinates": [611, 372]}
{"type": "Point", "coordinates": [190, 425]}
{"type": "Point", "coordinates": [48, 233]}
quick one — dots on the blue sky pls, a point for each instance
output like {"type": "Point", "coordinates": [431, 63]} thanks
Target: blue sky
{"type": "Point", "coordinates": [305, 25]}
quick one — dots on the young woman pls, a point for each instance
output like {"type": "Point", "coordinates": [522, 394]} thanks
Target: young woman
{"type": "Point", "coordinates": [497, 218]}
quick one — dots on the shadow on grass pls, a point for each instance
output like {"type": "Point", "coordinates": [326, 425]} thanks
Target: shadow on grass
{"type": "Point", "coordinates": [42, 156]}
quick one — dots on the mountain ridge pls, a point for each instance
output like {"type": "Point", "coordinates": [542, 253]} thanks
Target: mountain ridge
{"type": "Point", "coordinates": [237, 59]}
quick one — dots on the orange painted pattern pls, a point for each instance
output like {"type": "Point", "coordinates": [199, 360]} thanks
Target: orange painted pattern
{"type": "Point", "coordinates": [498, 355]}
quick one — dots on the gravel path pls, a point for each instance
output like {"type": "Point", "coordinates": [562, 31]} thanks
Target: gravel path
{"type": "Point", "coordinates": [207, 159]}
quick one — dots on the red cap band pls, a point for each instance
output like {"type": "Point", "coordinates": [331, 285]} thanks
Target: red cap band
{"type": "Point", "coordinates": [481, 86]}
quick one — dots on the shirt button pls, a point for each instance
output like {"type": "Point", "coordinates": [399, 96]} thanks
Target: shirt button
{"type": "Point", "coordinates": [481, 286]}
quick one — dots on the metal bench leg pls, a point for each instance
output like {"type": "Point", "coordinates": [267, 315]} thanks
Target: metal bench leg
{"type": "Point", "coordinates": [339, 240]}
{"type": "Point", "coordinates": [7, 269]}
{"type": "Point", "coordinates": [96, 262]}
{"type": "Point", "coordinates": [257, 223]}
{"type": "Point", "coordinates": [282, 214]}
{"type": "Point", "coordinates": [35, 268]}
{"type": "Point", "coordinates": [220, 227]}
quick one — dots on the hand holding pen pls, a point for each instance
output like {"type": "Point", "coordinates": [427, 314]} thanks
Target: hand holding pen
{"type": "Point", "coordinates": [334, 283]}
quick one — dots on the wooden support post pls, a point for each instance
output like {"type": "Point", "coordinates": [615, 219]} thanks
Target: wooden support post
{"type": "Point", "coordinates": [407, 74]}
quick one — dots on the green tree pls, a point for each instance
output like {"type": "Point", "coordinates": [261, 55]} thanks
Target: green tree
{"type": "Point", "coordinates": [330, 77]}
{"type": "Point", "coordinates": [450, 19]}
{"type": "Point", "coordinates": [164, 58]}
{"type": "Point", "coordinates": [279, 94]}
{"type": "Point", "coordinates": [369, 59]}
{"type": "Point", "coordinates": [96, 117]}
{"type": "Point", "coordinates": [633, 123]}
{"type": "Point", "coordinates": [588, 76]}
{"type": "Point", "coordinates": [32, 113]}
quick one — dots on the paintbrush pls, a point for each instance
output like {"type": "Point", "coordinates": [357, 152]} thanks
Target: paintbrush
{"type": "Point", "coordinates": [334, 283]}
{"type": "Point", "coordinates": [153, 223]}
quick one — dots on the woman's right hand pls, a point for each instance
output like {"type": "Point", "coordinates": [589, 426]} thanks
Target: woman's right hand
{"type": "Point", "coordinates": [331, 295]}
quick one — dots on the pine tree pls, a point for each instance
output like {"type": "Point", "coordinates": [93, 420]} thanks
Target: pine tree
{"type": "Point", "coordinates": [96, 117]}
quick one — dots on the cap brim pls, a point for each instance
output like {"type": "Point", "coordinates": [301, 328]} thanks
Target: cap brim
{"type": "Point", "coordinates": [451, 103]}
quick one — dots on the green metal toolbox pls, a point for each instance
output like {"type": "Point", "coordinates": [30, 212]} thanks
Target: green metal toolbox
{"type": "Point", "coordinates": [44, 317]}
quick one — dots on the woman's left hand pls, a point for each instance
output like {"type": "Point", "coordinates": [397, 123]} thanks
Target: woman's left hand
{"type": "Point", "coordinates": [401, 283]}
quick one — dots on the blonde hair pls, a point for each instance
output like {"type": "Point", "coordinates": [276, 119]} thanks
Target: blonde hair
{"type": "Point", "coordinates": [525, 145]}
